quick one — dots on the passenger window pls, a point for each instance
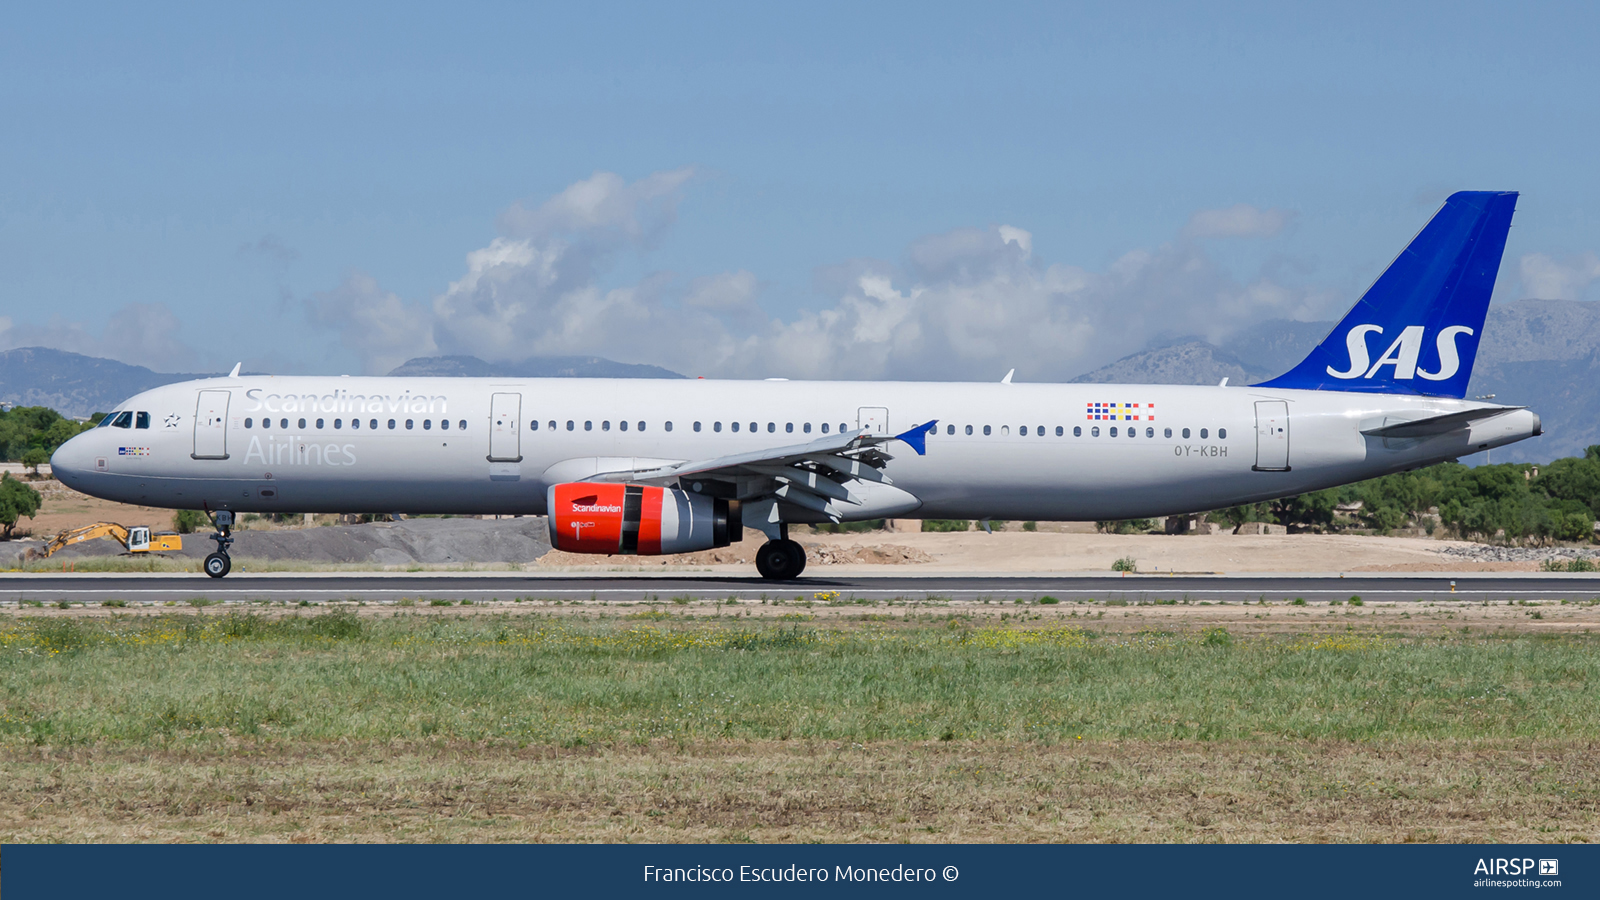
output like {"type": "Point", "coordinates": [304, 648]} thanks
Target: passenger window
{"type": "Point", "coordinates": [806, 428]}
{"type": "Point", "coordinates": [969, 429]}
{"type": "Point", "coordinates": [373, 424]}
{"type": "Point", "coordinates": [606, 425]}
{"type": "Point", "coordinates": [1061, 431]}
{"type": "Point", "coordinates": [1167, 432]}
{"type": "Point", "coordinates": [717, 427]}
{"type": "Point", "coordinates": [843, 428]}
{"type": "Point", "coordinates": [949, 429]}
{"type": "Point", "coordinates": [1133, 432]}
{"type": "Point", "coordinates": [427, 424]}
{"type": "Point", "coordinates": [141, 420]}
{"type": "Point", "coordinates": [355, 423]}
{"type": "Point", "coordinates": [824, 427]}
{"type": "Point", "coordinates": [622, 425]}
{"type": "Point", "coordinates": [444, 424]}
{"type": "Point", "coordinates": [1039, 430]}
{"type": "Point", "coordinates": [1186, 434]}
{"type": "Point", "coordinates": [533, 425]}
{"type": "Point", "coordinates": [1077, 431]}
{"type": "Point", "coordinates": [551, 425]}
{"type": "Point", "coordinates": [1204, 434]}
{"type": "Point", "coordinates": [319, 424]}
{"type": "Point", "coordinates": [391, 424]}
{"type": "Point", "coordinates": [641, 425]}
{"type": "Point", "coordinates": [668, 426]}
{"type": "Point", "coordinates": [1095, 431]}
{"type": "Point", "coordinates": [338, 424]}
{"type": "Point", "coordinates": [1222, 433]}
{"type": "Point", "coordinates": [569, 425]}
{"type": "Point", "coordinates": [735, 426]}
{"type": "Point", "coordinates": [249, 422]}
{"type": "Point", "coordinates": [754, 427]}
{"type": "Point", "coordinates": [1023, 431]}
{"type": "Point", "coordinates": [284, 424]}
{"type": "Point", "coordinates": [696, 427]}
{"type": "Point", "coordinates": [462, 425]}
{"type": "Point", "coordinates": [302, 424]}
{"type": "Point", "coordinates": [588, 424]}
{"type": "Point", "coordinates": [1149, 432]}
{"type": "Point", "coordinates": [788, 428]}
{"type": "Point", "coordinates": [1005, 430]}
{"type": "Point", "coordinates": [986, 431]}
{"type": "Point", "coordinates": [1113, 431]}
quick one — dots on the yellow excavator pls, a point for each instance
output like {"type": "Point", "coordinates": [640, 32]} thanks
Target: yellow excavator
{"type": "Point", "coordinates": [137, 539]}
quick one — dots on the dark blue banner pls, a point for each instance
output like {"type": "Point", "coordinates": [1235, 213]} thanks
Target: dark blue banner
{"type": "Point", "coordinates": [434, 871]}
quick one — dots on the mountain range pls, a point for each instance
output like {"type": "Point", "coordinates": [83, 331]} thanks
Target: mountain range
{"type": "Point", "coordinates": [1543, 354]}
{"type": "Point", "coordinates": [78, 386]}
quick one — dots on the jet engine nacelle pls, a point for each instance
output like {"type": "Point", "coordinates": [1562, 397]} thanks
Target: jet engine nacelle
{"type": "Point", "coordinates": [634, 519]}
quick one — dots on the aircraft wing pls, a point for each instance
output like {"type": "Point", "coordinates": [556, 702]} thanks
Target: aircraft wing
{"type": "Point", "coordinates": [818, 475]}
{"type": "Point", "coordinates": [1436, 424]}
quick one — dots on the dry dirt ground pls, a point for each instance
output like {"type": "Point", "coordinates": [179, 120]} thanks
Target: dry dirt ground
{"type": "Point", "coordinates": [807, 791]}
{"type": "Point", "coordinates": [1018, 551]}
{"type": "Point", "coordinates": [1072, 548]}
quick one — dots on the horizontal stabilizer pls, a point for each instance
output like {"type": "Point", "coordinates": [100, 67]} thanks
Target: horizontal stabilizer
{"type": "Point", "coordinates": [1437, 424]}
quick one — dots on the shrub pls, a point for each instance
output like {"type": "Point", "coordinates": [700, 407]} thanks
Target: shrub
{"type": "Point", "coordinates": [188, 521]}
{"type": "Point", "coordinates": [1298, 601]}
{"type": "Point", "coordinates": [1030, 526]}
{"type": "Point", "coordinates": [1125, 564]}
{"type": "Point", "coordinates": [1356, 601]}
{"type": "Point", "coordinates": [1048, 600]}
{"type": "Point", "coordinates": [946, 525]}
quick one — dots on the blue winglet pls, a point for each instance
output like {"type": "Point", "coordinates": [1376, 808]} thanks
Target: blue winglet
{"type": "Point", "coordinates": [917, 437]}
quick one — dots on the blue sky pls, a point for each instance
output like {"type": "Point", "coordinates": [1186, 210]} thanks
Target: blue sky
{"type": "Point", "coordinates": [807, 192]}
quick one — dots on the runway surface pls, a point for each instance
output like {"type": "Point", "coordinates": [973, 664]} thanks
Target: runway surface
{"type": "Point", "coordinates": [612, 587]}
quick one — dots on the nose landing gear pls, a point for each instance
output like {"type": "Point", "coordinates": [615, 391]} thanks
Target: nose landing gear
{"type": "Point", "coordinates": [780, 560]}
{"type": "Point", "coordinates": [219, 564]}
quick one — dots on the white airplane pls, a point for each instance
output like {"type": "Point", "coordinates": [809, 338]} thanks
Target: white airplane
{"type": "Point", "coordinates": [670, 466]}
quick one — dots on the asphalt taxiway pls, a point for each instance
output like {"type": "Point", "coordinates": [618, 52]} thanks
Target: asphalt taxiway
{"type": "Point", "coordinates": [614, 587]}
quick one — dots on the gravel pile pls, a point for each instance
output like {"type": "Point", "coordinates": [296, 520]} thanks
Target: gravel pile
{"type": "Point", "coordinates": [1489, 553]}
{"type": "Point", "coordinates": [382, 543]}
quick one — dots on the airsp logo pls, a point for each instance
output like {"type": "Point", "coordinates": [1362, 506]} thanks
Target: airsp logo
{"type": "Point", "coordinates": [1402, 354]}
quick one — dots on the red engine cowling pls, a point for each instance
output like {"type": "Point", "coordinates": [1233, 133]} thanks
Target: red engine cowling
{"type": "Point", "coordinates": [635, 519]}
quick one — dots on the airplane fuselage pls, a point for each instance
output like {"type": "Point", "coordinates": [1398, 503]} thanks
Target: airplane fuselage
{"type": "Point", "coordinates": [493, 446]}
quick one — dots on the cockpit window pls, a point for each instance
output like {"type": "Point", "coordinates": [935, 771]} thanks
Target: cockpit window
{"type": "Point", "coordinates": [124, 419]}
{"type": "Point", "coordinates": [142, 420]}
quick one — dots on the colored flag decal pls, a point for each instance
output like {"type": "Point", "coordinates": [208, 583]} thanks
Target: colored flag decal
{"type": "Point", "coordinates": [133, 451]}
{"type": "Point", "coordinates": [1120, 412]}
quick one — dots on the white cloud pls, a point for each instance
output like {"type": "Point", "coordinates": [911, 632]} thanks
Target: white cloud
{"type": "Point", "coordinates": [1548, 278]}
{"type": "Point", "coordinates": [1241, 220]}
{"type": "Point", "coordinates": [379, 326]}
{"type": "Point", "coordinates": [140, 334]}
{"type": "Point", "coordinates": [963, 304]}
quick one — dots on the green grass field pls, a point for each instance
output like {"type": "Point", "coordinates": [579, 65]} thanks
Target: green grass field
{"type": "Point", "coordinates": [942, 718]}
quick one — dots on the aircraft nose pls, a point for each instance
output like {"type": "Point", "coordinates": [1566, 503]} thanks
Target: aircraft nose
{"type": "Point", "coordinates": [73, 460]}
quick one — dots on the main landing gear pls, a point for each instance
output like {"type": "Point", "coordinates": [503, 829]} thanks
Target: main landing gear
{"type": "Point", "coordinates": [780, 560]}
{"type": "Point", "coordinates": [219, 564]}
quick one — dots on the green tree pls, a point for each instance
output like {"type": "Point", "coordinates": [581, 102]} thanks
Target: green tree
{"type": "Point", "coordinates": [188, 521]}
{"type": "Point", "coordinates": [35, 458]}
{"type": "Point", "coordinates": [16, 500]}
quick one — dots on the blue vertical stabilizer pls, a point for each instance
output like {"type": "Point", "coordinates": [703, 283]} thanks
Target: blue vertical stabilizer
{"type": "Point", "coordinates": [1416, 330]}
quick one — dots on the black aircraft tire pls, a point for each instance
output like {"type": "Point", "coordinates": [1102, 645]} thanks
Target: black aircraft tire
{"type": "Point", "coordinates": [799, 554]}
{"type": "Point", "coordinates": [218, 565]}
{"type": "Point", "coordinates": [777, 562]}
